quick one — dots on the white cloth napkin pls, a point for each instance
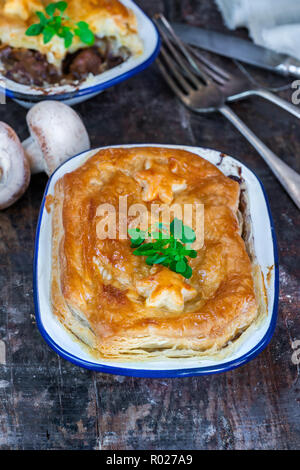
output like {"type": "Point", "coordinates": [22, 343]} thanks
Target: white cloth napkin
{"type": "Point", "coordinates": [272, 23]}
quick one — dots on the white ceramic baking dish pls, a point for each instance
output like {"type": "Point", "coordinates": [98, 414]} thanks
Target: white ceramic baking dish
{"type": "Point", "coordinates": [27, 96]}
{"type": "Point", "coordinates": [266, 254]}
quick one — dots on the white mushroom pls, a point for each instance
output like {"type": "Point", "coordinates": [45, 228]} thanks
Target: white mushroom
{"type": "Point", "coordinates": [56, 134]}
{"type": "Point", "coordinates": [14, 167]}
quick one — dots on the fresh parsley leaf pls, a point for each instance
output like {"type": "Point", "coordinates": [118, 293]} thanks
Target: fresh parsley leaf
{"type": "Point", "coordinates": [172, 266]}
{"type": "Point", "coordinates": [181, 267]}
{"type": "Point", "coordinates": [85, 35]}
{"type": "Point", "coordinates": [68, 37]}
{"type": "Point", "coordinates": [188, 235]}
{"type": "Point", "coordinates": [160, 260]}
{"type": "Point", "coordinates": [188, 272]}
{"type": "Point", "coordinates": [137, 237]}
{"type": "Point", "coordinates": [136, 243]}
{"type": "Point", "coordinates": [183, 232]}
{"type": "Point", "coordinates": [34, 30]}
{"type": "Point", "coordinates": [52, 24]}
{"type": "Point", "coordinates": [62, 6]}
{"type": "Point", "coordinates": [191, 253]}
{"type": "Point", "coordinates": [42, 18]}
{"type": "Point", "coordinates": [176, 227]}
{"type": "Point", "coordinates": [83, 25]}
{"type": "Point", "coordinates": [136, 233]}
{"type": "Point", "coordinates": [56, 23]}
{"type": "Point", "coordinates": [152, 259]}
{"type": "Point", "coordinates": [48, 34]}
{"type": "Point", "coordinates": [50, 9]}
{"type": "Point", "coordinates": [145, 249]}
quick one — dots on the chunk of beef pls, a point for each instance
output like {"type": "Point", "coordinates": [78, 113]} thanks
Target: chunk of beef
{"type": "Point", "coordinates": [27, 66]}
{"type": "Point", "coordinates": [85, 62]}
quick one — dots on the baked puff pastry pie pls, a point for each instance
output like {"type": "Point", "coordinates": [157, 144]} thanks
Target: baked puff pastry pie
{"type": "Point", "coordinates": [29, 60]}
{"type": "Point", "coordinates": [109, 298]}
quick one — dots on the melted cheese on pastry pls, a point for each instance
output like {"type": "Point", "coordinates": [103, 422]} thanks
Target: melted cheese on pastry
{"type": "Point", "coordinates": [111, 299]}
{"type": "Point", "coordinates": [166, 289]}
{"type": "Point", "coordinates": [159, 182]}
{"type": "Point", "coordinates": [107, 18]}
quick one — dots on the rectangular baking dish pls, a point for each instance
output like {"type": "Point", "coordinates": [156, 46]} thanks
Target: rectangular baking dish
{"type": "Point", "coordinates": [264, 246]}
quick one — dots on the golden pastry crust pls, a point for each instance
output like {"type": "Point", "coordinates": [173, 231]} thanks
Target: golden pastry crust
{"type": "Point", "coordinates": [116, 304]}
{"type": "Point", "coordinates": [107, 18]}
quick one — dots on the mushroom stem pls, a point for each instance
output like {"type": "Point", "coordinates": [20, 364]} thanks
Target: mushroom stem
{"type": "Point", "coordinates": [34, 156]}
{"type": "Point", "coordinates": [56, 134]}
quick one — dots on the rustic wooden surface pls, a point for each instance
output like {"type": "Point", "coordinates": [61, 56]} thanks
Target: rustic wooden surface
{"type": "Point", "coordinates": [47, 403]}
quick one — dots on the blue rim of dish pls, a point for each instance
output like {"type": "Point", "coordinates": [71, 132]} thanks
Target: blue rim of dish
{"type": "Point", "coordinates": [92, 89]}
{"type": "Point", "coordinates": [156, 373]}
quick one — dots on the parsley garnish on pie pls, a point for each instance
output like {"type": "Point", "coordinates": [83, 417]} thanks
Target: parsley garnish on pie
{"type": "Point", "coordinates": [54, 22]}
{"type": "Point", "coordinates": [169, 247]}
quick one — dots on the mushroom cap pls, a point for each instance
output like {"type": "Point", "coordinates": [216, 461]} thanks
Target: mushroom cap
{"type": "Point", "coordinates": [58, 133]}
{"type": "Point", "coordinates": [14, 167]}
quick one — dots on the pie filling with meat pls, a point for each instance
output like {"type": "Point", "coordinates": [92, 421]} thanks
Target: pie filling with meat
{"type": "Point", "coordinates": [30, 61]}
{"type": "Point", "coordinates": [115, 303]}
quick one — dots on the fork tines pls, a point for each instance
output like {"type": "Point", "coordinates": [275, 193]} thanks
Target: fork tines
{"type": "Point", "coordinates": [187, 57]}
{"type": "Point", "coordinates": [176, 63]}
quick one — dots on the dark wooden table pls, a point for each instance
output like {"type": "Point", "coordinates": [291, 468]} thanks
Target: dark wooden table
{"type": "Point", "coordinates": [46, 402]}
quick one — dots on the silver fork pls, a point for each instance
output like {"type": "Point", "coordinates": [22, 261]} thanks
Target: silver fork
{"type": "Point", "coordinates": [236, 86]}
{"type": "Point", "coordinates": [198, 92]}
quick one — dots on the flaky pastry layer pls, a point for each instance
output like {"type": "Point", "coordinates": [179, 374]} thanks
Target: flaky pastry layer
{"type": "Point", "coordinates": [114, 303]}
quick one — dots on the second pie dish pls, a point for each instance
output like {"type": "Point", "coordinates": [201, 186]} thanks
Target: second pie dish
{"type": "Point", "coordinates": [126, 42]}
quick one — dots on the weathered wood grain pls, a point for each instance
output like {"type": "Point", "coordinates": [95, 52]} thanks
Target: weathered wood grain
{"type": "Point", "coordinates": [47, 403]}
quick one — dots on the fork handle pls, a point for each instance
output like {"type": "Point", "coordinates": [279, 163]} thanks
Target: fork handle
{"type": "Point", "coordinates": [289, 178]}
{"type": "Point", "coordinates": [276, 100]}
